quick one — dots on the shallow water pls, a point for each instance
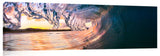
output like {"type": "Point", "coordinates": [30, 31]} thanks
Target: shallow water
{"type": "Point", "coordinates": [47, 40]}
{"type": "Point", "coordinates": [39, 40]}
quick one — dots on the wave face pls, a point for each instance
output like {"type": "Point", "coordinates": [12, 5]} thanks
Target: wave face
{"type": "Point", "coordinates": [76, 16]}
{"type": "Point", "coordinates": [92, 25]}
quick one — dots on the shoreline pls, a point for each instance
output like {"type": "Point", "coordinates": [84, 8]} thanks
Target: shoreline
{"type": "Point", "coordinates": [6, 30]}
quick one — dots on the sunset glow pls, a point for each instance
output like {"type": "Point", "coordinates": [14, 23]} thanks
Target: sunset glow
{"type": "Point", "coordinates": [28, 22]}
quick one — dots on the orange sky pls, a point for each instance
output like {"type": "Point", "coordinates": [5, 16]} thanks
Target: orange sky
{"type": "Point", "coordinates": [29, 22]}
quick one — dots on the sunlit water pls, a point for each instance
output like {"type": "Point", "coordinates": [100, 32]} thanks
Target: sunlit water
{"type": "Point", "coordinates": [49, 40]}
{"type": "Point", "coordinates": [40, 40]}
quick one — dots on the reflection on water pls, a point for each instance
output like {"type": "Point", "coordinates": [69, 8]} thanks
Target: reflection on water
{"type": "Point", "coordinates": [49, 40]}
{"type": "Point", "coordinates": [58, 40]}
{"type": "Point", "coordinates": [35, 41]}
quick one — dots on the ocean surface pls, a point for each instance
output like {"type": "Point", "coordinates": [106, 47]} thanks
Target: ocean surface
{"type": "Point", "coordinates": [131, 27]}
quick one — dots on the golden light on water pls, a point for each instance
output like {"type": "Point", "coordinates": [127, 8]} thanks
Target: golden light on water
{"type": "Point", "coordinates": [51, 40]}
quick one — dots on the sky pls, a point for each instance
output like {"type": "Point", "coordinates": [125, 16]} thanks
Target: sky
{"type": "Point", "coordinates": [28, 22]}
